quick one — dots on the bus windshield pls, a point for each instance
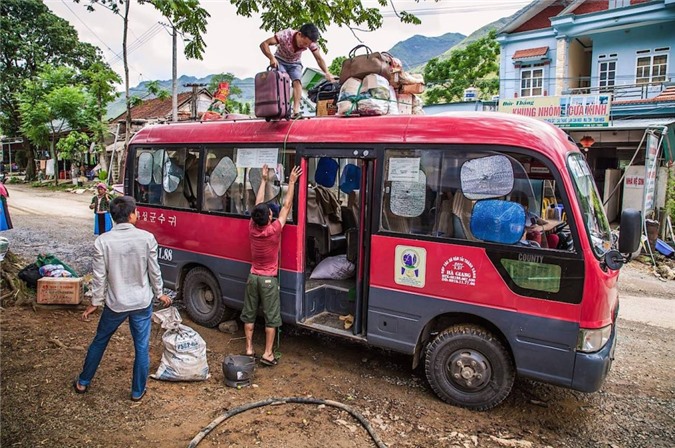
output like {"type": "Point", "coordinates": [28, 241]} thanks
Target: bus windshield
{"type": "Point", "coordinates": [593, 213]}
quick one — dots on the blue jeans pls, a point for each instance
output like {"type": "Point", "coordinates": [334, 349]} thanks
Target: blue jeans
{"type": "Point", "coordinates": [140, 323]}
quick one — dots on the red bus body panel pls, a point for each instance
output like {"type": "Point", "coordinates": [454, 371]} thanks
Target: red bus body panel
{"type": "Point", "coordinates": [600, 289]}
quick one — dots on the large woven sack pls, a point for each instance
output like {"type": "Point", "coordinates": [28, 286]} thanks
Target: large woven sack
{"type": "Point", "coordinates": [358, 66]}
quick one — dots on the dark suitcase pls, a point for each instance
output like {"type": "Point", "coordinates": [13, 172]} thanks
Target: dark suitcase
{"type": "Point", "coordinates": [272, 95]}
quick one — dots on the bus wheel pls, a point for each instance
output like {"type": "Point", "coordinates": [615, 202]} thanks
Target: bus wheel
{"type": "Point", "coordinates": [201, 295]}
{"type": "Point", "coordinates": [467, 366]}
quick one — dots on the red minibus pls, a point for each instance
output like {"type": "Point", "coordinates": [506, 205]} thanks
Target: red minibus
{"type": "Point", "coordinates": [475, 243]}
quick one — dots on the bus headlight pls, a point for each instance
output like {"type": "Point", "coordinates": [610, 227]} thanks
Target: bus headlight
{"type": "Point", "coordinates": [593, 340]}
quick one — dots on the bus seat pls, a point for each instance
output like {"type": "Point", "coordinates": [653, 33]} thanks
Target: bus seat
{"type": "Point", "coordinates": [326, 172]}
{"type": "Point", "coordinates": [213, 202]}
{"type": "Point", "coordinates": [190, 179]}
{"type": "Point", "coordinates": [349, 220]}
{"type": "Point", "coordinates": [444, 222]}
{"type": "Point", "coordinates": [353, 204]}
{"type": "Point", "coordinates": [392, 221]}
{"type": "Point", "coordinates": [176, 198]}
{"type": "Point", "coordinates": [237, 198]}
{"type": "Point", "coordinates": [250, 199]}
{"type": "Point", "coordinates": [461, 211]}
{"type": "Point", "coordinates": [327, 235]}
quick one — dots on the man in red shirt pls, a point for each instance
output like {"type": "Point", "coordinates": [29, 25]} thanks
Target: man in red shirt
{"type": "Point", "coordinates": [262, 285]}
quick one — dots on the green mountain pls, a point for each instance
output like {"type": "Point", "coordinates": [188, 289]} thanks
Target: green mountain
{"type": "Point", "coordinates": [419, 49]}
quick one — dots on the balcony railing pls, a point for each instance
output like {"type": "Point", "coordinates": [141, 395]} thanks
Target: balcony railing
{"type": "Point", "coordinates": [620, 92]}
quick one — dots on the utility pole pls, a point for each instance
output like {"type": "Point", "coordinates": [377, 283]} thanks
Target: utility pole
{"type": "Point", "coordinates": [174, 79]}
{"type": "Point", "coordinates": [193, 100]}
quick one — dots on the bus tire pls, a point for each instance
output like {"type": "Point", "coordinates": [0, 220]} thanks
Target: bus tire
{"type": "Point", "coordinates": [468, 366]}
{"type": "Point", "coordinates": [202, 298]}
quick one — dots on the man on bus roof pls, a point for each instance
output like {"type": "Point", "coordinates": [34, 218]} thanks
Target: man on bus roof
{"type": "Point", "coordinates": [290, 45]}
{"type": "Point", "coordinates": [262, 285]}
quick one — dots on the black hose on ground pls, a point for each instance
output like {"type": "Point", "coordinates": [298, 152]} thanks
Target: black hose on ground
{"type": "Point", "coordinates": [301, 400]}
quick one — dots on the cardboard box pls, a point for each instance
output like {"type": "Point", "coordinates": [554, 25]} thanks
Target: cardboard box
{"type": "Point", "coordinates": [59, 290]}
{"type": "Point", "coordinates": [326, 107]}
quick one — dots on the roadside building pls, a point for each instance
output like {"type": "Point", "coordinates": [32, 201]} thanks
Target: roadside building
{"type": "Point", "coordinates": [603, 71]}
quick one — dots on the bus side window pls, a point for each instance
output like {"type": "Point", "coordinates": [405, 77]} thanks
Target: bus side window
{"type": "Point", "coordinates": [148, 186]}
{"type": "Point", "coordinates": [173, 184]}
{"type": "Point", "coordinates": [410, 200]}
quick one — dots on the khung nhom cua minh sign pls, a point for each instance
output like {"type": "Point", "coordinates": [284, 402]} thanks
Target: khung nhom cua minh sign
{"type": "Point", "coordinates": [565, 111]}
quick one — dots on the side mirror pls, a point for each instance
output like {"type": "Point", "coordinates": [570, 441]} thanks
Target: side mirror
{"type": "Point", "coordinates": [630, 231]}
{"type": "Point", "coordinates": [498, 221]}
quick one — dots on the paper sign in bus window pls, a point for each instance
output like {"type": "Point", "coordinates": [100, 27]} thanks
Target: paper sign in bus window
{"type": "Point", "coordinates": [404, 169]}
{"type": "Point", "coordinates": [410, 266]}
{"type": "Point", "coordinates": [408, 198]}
{"type": "Point", "coordinates": [257, 157]}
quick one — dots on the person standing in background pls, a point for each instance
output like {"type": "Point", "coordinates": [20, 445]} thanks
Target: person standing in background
{"type": "Point", "coordinates": [101, 206]}
{"type": "Point", "coordinates": [5, 221]}
{"type": "Point", "coordinates": [126, 277]}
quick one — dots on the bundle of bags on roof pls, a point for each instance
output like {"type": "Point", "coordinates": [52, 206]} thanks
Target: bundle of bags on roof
{"type": "Point", "coordinates": [376, 84]}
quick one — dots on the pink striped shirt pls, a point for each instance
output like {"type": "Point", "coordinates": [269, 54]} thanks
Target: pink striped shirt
{"type": "Point", "coordinates": [286, 48]}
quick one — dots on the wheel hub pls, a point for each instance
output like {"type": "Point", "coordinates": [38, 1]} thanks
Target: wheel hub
{"type": "Point", "coordinates": [469, 369]}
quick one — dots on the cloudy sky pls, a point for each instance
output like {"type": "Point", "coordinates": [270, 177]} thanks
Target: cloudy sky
{"type": "Point", "coordinates": [232, 41]}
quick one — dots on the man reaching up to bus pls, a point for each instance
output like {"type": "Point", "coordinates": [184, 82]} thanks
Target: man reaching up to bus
{"type": "Point", "coordinates": [262, 285]}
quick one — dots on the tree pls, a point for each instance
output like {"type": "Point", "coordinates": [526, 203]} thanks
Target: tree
{"type": "Point", "coordinates": [100, 80]}
{"type": "Point", "coordinates": [32, 36]}
{"type": "Point", "coordinates": [50, 104]}
{"type": "Point", "coordinates": [186, 17]}
{"type": "Point", "coordinates": [476, 65]}
{"type": "Point", "coordinates": [336, 66]}
{"type": "Point", "coordinates": [231, 104]}
{"type": "Point", "coordinates": [74, 145]}
{"type": "Point", "coordinates": [278, 15]}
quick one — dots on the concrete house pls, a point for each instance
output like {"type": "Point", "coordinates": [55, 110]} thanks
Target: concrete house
{"type": "Point", "coordinates": [603, 70]}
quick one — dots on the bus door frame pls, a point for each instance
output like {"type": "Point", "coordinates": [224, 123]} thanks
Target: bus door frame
{"type": "Point", "coordinates": [367, 208]}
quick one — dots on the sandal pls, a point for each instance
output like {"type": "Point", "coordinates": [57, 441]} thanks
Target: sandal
{"type": "Point", "coordinates": [267, 363]}
{"type": "Point", "coordinates": [296, 115]}
{"type": "Point", "coordinates": [76, 383]}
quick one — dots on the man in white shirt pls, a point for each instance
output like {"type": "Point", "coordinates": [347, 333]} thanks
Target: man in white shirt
{"type": "Point", "coordinates": [126, 278]}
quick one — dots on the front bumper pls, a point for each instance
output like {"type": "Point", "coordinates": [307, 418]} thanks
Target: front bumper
{"type": "Point", "coordinates": [591, 369]}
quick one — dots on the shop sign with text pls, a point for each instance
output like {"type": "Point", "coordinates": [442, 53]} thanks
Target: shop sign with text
{"type": "Point", "coordinates": [565, 111]}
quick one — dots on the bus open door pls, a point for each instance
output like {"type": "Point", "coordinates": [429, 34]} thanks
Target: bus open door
{"type": "Point", "coordinates": [337, 224]}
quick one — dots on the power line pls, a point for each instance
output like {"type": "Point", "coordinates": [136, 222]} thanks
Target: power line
{"type": "Point", "coordinates": [87, 27]}
{"type": "Point", "coordinates": [468, 7]}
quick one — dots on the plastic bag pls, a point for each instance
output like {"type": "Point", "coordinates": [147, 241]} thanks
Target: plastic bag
{"type": "Point", "coordinates": [184, 357]}
{"type": "Point", "coordinates": [30, 274]}
{"type": "Point", "coordinates": [45, 259]}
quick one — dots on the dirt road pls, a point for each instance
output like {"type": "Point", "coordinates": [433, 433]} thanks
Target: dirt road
{"type": "Point", "coordinates": [43, 349]}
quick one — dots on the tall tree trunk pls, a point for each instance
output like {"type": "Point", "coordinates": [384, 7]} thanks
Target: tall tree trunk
{"type": "Point", "coordinates": [122, 159]}
{"type": "Point", "coordinates": [102, 153]}
{"type": "Point", "coordinates": [52, 152]}
{"type": "Point", "coordinates": [30, 162]}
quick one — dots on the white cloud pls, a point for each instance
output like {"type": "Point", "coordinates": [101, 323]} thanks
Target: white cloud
{"type": "Point", "coordinates": [232, 41]}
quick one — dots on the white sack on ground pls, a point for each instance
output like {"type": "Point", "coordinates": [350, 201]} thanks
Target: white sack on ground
{"type": "Point", "coordinates": [184, 357]}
